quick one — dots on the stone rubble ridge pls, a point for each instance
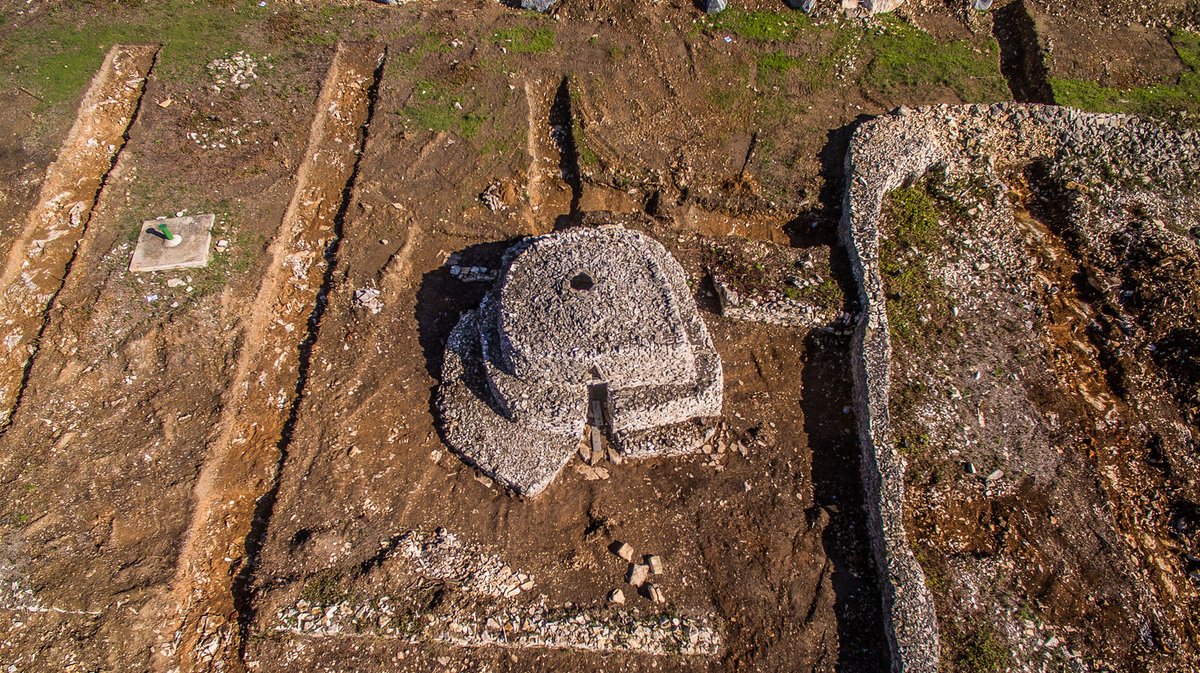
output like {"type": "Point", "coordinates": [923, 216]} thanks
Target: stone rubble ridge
{"type": "Point", "coordinates": [896, 149]}
{"type": "Point", "coordinates": [600, 314]}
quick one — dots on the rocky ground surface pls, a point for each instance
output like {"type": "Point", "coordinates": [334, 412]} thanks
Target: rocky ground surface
{"type": "Point", "coordinates": [488, 124]}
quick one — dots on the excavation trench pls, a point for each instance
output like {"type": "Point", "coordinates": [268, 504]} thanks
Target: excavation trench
{"type": "Point", "coordinates": [1022, 60]}
{"type": "Point", "coordinates": [40, 259]}
{"type": "Point", "coordinates": [236, 488]}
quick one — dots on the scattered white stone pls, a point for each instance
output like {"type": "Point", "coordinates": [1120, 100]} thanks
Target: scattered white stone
{"type": "Point", "coordinates": [638, 574]}
{"type": "Point", "coordinates": [654, 562]}
{"type": "Point", "coordinates": [368, 298]}
{"type": "Point", "coordinates": [625, 551]}
{"type": "Point", "coordinates": [655, 594]}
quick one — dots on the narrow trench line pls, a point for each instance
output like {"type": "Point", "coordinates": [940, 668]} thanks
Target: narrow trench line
{"type": "Point", "coordinates": [562, 129]}
{"type": "Point", "coordinates": [264, 508]}
{"type": "Point", "coordinates": [210, 597]}
{"type": "Point", "coordinates": [41, 260]}
{"type": "Point", "coordinates": [1022, 62]}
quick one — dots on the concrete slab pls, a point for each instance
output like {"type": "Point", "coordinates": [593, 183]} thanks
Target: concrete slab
{"type": "Point", "coordinates": [152, 254]}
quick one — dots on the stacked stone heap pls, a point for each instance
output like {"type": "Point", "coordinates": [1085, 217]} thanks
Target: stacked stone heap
{"type": "Point", "coordinates": [601, 314]}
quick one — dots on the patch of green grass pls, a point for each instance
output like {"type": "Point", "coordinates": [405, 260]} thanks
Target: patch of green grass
{"type": "Point", "coordinates": [829, 293]}
{"type": "Point", "coordinates": [903, 56]}
{"type": "Point", "coordinates": [525, 40]}
{"type": "Point", "coordinates": [776, 63]}
{"type": "Point", "coordinates": [432, 43]}
{"type": "Point", "coordinates": [759, 26]}
{"type": "Point", "coordinates": [434, 108]}
{"type": "Point", "coordinates": [936, 579]}
{"type": "Point", "coordinates": [55, 57]}
{"type": "Point", "coordinates": [724, 97]}
{"type": "Point", "coordinates": [913, 219]}
{"type": "Point", "coordinates": [588, 159]}
{"type": "Point", "coordinates": [1159, 99]}
{"type": "Point", "coordinates": [979, 648]}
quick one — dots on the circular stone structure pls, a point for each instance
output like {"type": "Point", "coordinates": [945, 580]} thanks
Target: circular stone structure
{"type": "Point", "coordinates": [600, 315]}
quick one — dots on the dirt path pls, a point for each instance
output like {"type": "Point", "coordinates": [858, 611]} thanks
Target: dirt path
{"type": "Point", "coordinates": [41, 257]}
{"type": "Point", "coordinates": [237, 481]}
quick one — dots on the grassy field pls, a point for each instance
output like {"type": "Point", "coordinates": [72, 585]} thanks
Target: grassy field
{"type": "Point", "coordinates": [1160, 99]}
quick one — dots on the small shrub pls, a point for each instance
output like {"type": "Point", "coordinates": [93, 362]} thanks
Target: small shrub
{"type": "Point", "coordinates": [979, 648]}
{"type": "Point", "coordinates": [324, 588]}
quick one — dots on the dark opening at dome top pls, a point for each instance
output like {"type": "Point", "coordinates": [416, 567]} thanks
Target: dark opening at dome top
{"type": "Point", "coordinates": [582, 282]}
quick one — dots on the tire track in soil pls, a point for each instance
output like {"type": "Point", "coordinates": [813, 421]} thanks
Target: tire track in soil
{"type": "Point", "coordinates": [236, 487]}
{"type": "Point", "coordinates": [41, 257]}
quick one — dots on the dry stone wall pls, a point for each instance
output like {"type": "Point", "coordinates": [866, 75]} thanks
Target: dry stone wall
{"type": "Point", "coordinates": [1105, 153]}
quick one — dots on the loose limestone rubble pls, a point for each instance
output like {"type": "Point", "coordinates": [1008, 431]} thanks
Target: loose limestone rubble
{"type": "Point", "coordinates": [590, 315]}
{"type": "Point", "coordinates": [488, 603]}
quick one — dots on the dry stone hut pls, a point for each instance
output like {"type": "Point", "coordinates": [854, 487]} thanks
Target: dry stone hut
{"type": "Point", "coordinates": [590, 321]}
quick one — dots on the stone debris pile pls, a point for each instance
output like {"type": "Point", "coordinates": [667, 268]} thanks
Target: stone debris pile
{"type": "Point", "coordinates": [485, 603]}
{"type": "Point", "coordinates": [442, 557]}
{"type": "Point", "coordinates": [592, 322]}
{"type": "Point", "coordinates": [587, 630]}
{"type": "Point", "coordinates": [237, 71]}
{"type": "Point", "coordinates": [520, 627]}
{"type": "Point", "coordinates": [639, 575]}
{"type": "Point", "coordinates": [757, 281]}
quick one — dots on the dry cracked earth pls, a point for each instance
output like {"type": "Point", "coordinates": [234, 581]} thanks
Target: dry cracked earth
{"type": "Point", "coordinates": [239, 467]}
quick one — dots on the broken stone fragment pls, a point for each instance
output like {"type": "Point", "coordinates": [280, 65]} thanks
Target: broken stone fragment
{"type": "Point", "coordinates": [624, 550]}
{"type": "Point", "coordinates": [714, 6]}
{"type": "Point", "coordinates": [616, 596]}
{"type": "Point", "coordinates": [655, 594]}
{"type": "Point", "coordinates": [368, 298]}
{"type": "Point", "coordinates": [638, 574]}
{"type": "Point", "coordinates": [614, 456]}
{"type": "Point", "coordinates": [654, 562]}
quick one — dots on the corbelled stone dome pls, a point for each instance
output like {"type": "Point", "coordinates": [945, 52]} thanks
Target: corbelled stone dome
{"type": "Point", "coordinates": [603, 312]}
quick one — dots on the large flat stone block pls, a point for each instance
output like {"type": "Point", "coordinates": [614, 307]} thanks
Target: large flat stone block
{"type": "Point", "coordinates": [152, 253]}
